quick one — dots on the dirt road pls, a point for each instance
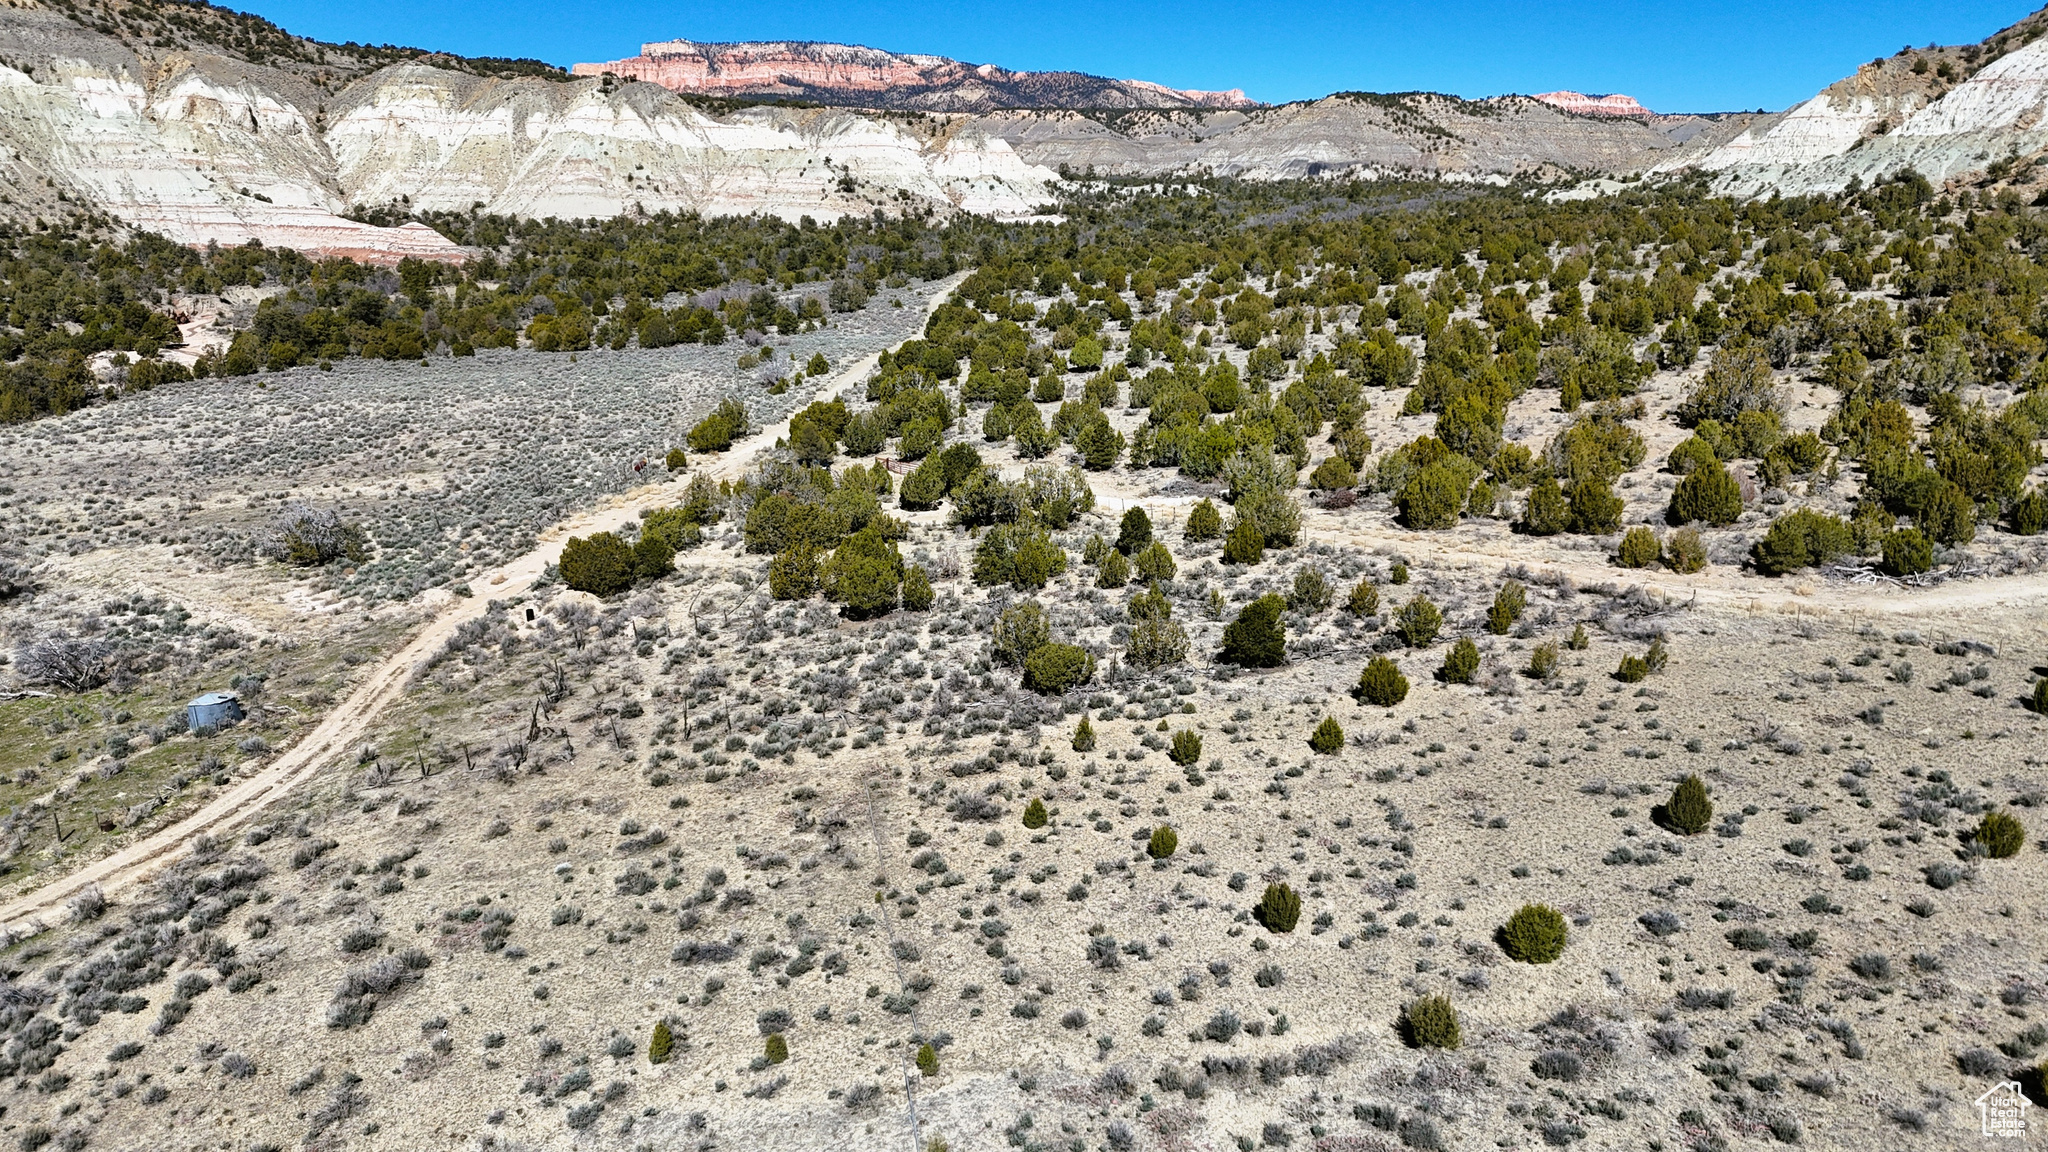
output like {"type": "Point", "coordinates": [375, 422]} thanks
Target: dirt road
{"type": "Point", "coordinates": [351, 720]}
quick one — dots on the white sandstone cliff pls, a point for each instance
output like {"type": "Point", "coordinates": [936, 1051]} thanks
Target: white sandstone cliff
{"type": "Point", "coordinates": [206, 149]}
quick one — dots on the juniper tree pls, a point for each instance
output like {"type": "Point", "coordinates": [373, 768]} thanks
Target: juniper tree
{"type": "Point", "coordinates": [1708, 495]}
{"type": "Point", "coordinates": [1999, 835]}
{"type": "Point", "coordinates": [1154, 563]}
{"type": "Point", "coordinates": [1381, 684]}
{"type": "Point", "coordinates": [1508, 605]}
{"type": "Point", "coordinates": [1431, 1022]}
{"type": "Point", "coordinates": [1328, 736]}
{"type": "Point", "coordinates": [1134, 532]}
{"type": "Point", "coordinates": [1419, 621]}
{"type": "Point", "coordinates": [917, 589]}
{"type": "Point", "coordinates": [1640, 548]}
{"type": "Point", "coordinates": [1461, 664]}
{"type": "Point", "coordinates": [600, 565]}
{"type": "Point", "coordinates": [1257, 638]}
{"type": "Point", "coordinates": [661, 1044]}
{"type": "Point", "coordinates": [1689, 811]}
{"type": "Point", "coordinates": [1364, 599]}
{"type": "Point", "coordinates": [1536, 934]}
{"type": "Point", "coordinates": [1246, 545]}
{"type": "Point", "coordinates": [1279, 910]}
{"type": "Point", "coordinates": [1204, 522]}
{"type": "Point", "coordinates": [1163, 843]}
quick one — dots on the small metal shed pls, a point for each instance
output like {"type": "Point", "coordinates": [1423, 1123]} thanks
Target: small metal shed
{"type": "Point", "coordinates": [213, 710]}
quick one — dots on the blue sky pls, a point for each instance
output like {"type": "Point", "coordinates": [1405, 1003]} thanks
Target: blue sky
{"type": "Point", "coordinates": [1679, 55]}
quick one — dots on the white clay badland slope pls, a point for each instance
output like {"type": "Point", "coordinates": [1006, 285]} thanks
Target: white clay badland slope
{"type": "Point", "coordinates": [1858, 130]}
{"type": "Point", "coordinates": [203, 147]}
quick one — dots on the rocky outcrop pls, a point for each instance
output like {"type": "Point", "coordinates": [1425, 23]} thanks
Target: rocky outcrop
{"type": "Point", "coordinates": [1610, 105]}
{"type": "Point", "coordinates": [850, 75]}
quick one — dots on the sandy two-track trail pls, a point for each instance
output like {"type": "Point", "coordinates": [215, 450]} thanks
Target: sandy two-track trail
{"type": "Point", "coordinates": [351, 719]}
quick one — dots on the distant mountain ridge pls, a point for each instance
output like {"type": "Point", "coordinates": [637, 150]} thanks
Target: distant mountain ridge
{"type": "Point", "coordinates": [857, 76]}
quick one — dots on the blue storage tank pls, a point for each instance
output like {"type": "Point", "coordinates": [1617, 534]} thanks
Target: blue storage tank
{"type": "Point", "coordinates": [213, 710]}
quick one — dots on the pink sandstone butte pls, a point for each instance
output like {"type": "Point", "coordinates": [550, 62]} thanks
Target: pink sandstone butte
{"type": "Point", "coordinates": [788, 67]}
{"type": "Point", "coordinates": [1615, 105]}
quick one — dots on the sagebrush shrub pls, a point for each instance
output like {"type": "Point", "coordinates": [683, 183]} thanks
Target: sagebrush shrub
{"type": "Point", "coordinates": [1535, 934]}
{"type": "Point", "coordinates": [1689, 811]}
{"type": "Point", "coordinates": [1381, 684]}
{"type": "Point", "coordinates": [1328, 736]}
{"type": "Point", "coordinates": [2000, 835]}
{"type": "Point", "coordinates": [1432, 1022]}
{"type": "Point", "coordinates": [1279, 909]}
